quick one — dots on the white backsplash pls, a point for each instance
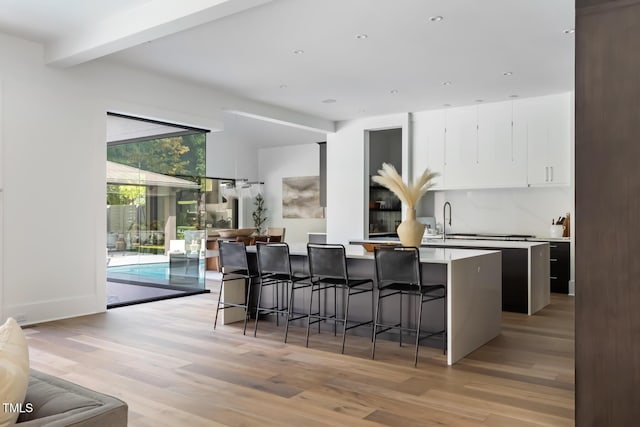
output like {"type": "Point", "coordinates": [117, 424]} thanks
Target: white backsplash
{"type": "Point", "coordinates": [511, 211]}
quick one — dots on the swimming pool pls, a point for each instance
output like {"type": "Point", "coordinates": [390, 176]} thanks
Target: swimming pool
{"type": "Point", "coordinates": [159, 274]}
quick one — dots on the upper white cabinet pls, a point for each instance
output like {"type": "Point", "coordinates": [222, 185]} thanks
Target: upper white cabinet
{"type": "Point", "coordinates": [545, 123]}
{"type": "Point", "coordinates": [503, 144]}
{"type": "Point", "coordinates": [461, 157]}
{"type": "Point", "coordinates": [428, 145]}
{"type": "Point", "coordinates": [502, 157]}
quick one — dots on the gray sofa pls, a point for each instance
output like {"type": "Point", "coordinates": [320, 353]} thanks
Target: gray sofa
{"type": "Point", "coordinates": [56, 402]}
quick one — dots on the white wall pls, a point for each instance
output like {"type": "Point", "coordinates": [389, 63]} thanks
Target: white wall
{"type": "Point", "coordinates": [283, 162]}
{"type": "Point", "coordinates": [512, 211]}
{"type": "Point", "coordinates": [347, 170]}
{"type": "Point", "coordinates": [53, 166]}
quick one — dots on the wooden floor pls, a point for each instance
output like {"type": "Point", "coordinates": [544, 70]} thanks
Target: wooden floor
{"type": "Point", "coordinates": [165, 361]}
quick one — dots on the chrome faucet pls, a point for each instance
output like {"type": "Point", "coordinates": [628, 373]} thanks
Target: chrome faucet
{"type": "Point", "coordinates": [444, 219]}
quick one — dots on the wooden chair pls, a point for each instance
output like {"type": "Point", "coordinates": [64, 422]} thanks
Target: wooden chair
{"type": "Point", "coordinates": [247, 240]}
{"type": "Point", "coordinates": [276, 231]}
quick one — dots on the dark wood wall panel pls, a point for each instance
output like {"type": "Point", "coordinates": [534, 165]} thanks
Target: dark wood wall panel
{"type": "Point", "coordinates": [608, 213]}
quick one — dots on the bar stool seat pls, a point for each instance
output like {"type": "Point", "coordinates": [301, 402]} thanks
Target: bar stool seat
{"type": "Point", "coordinates": [398, 272]}
{"type": "Point", "coordinates": [274, 269]}
{"type": "Point", "coordinates": [234, 265]}
{"type": "Point", "coordinates": [328, 270]}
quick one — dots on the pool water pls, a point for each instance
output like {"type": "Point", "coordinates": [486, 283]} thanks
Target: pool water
{"type": "Point", "coordinates": [159, 274]}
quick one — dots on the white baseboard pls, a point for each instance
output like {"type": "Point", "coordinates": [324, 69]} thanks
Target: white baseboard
{"type": "Point", "coordinates": [572, 287]}
{"type": "Point", "coordinates": [63, 308]}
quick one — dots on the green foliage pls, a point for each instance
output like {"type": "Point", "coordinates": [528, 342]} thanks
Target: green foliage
{"type": "Point", "coordinates": [125, 194]}
{"type": "Point", "coordinates": [258, 214]}
{"type": "Point", "coordinates": [182, 156]}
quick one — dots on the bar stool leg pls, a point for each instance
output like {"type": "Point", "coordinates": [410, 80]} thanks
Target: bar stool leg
{"type": "Point", "coordinates": [274, 294]}
{"type": "Point", "coordinates": [246, 307]}
{"type": "Point", "coordinates": [310, 308]}
{"type": "Point", "coordinates": [289, 312]}
{"type": "Point", "coordinates": [255, 329]}
{"type": "Point", "coordinates": [335, 310]}
{"type": "Point", "coordinates": [344, 321]}
{"type": "Point", "coordinates": [375, 326]}
{"type": "Point", "coordinates": [444, 324]}
{"type": "Point", "coordinates": [319, 306]}
{"type": "Point", "coordinates": [215, 321]}
{"type": "Point", "coordinates": [400, 330]}
{"type": "Point", "coordinates": [419, 302]}
{"type": "Point", "coordinates": [373, 314]}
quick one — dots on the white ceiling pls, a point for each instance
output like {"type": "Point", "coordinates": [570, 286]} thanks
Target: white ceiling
{"type": "Point", "coordinates": [248, 50]}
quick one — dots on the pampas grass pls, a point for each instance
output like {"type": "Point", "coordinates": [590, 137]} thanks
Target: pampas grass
{"type": "Point", "coordinates": [409, 194]}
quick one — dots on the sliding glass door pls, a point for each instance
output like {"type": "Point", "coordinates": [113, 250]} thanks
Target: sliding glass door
{"type": "Point", "coordinates": [156, 205]}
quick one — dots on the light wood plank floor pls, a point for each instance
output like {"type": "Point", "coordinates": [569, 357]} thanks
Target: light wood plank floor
{"type": "Point", "coordinates": [167, 363]}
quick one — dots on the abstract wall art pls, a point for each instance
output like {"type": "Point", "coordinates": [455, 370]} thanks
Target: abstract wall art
{"type": "Point", "coordinates": [301, 197]}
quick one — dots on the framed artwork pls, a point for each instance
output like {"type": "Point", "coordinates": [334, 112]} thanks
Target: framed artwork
{"type": "Point", "coordinates": [301, 197]}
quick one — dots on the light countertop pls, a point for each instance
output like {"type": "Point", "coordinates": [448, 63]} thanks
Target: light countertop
{"type": "Point", "coordinates": [430, 255]}
{"type": "Point", "coordinates": [516, 244]}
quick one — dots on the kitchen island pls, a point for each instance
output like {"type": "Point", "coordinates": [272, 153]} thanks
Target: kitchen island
{"type": "Point", "coordinates": [472, 278]}
{"type": "Point", "coordinates": [525, 268]}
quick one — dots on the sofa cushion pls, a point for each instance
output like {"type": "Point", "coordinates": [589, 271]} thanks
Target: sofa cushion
{"type": "Point", "coordinates": [57, 402]}
{"type": "Point", "coordinates": [14, 371]}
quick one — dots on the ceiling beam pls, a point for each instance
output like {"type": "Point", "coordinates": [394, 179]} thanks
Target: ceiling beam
{"type": "Point", "coordinates": [300, 122]}
{"type": "Point", "coordinates": [149, 21]}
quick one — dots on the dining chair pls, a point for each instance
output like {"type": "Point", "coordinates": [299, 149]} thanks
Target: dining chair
{"type": "Point", "coordinates": [273, 232]}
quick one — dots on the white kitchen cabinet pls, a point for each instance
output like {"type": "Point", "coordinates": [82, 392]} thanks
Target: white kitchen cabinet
{"type": "Point", "coordinates": [428, 144]}
{"type": "Point", "coordinates": [461, 161]}
{"type": "Point", "coordinates": [502, 158]}
{"type": "Point", "coordinates": [508, 144]}
{"type": "Point", "coordinates": [545, 122]}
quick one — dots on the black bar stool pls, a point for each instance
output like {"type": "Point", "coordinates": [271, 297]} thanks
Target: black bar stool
{"type": "Point", "coordinates": [398, 273]}
{"type": "Point", "coordinates": [274, 268]}
{"type": "Point", "coordinates": [328, 269]}
{"type": "Point", "coordinates": [234, 264]}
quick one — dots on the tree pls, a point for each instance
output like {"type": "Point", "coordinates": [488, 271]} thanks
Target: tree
{"type": "Point", "coordinates": [258, 214]}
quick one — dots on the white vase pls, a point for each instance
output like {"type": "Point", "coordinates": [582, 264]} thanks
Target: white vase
{"type": "Point", "coordinates": [410, 231]}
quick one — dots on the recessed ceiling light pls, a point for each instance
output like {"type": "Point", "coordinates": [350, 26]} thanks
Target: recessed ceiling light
{"type": "Point", "coordinates": [569, 31]}
{"type": "Point", "coordinates": [329, 101]}
{"type": "Point", "coordinates": [513, 96]}
{"type": "Point", "coordinates": [283, 86]}
{"type": "Point", "coordinates": [393, 91]}
{"type": "Point", "coordinates": [436, 18]}
{"type": "Point", "coordinates": [298, 52]}
{"type": "Point", "coordinates": [508, 73]}
{"type": "Point", "coordinates": [361, 36]}
{"type": "Point", "coordinates": [447, 83]}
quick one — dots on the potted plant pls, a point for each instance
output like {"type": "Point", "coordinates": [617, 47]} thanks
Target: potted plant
{"type": "Point", "coordinates": [258, 214]}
